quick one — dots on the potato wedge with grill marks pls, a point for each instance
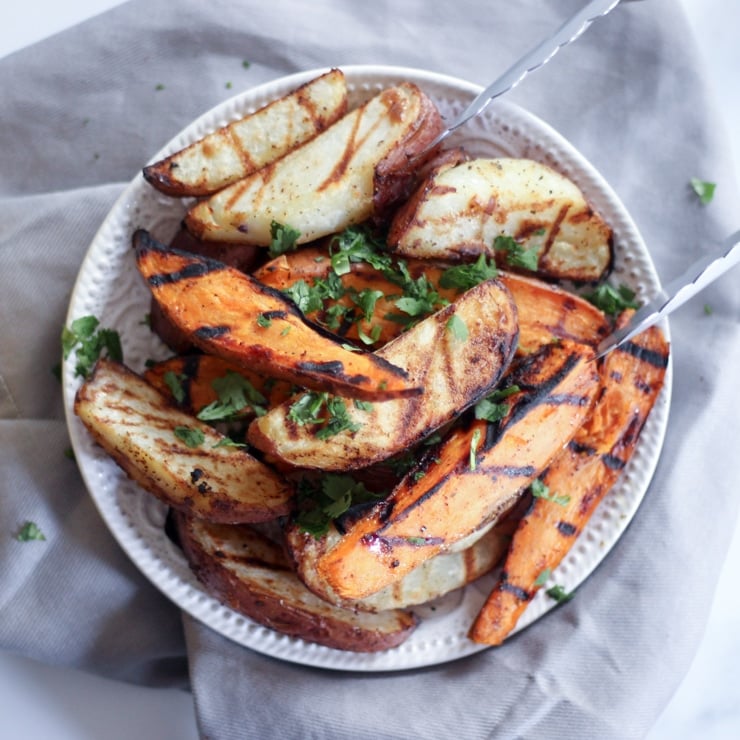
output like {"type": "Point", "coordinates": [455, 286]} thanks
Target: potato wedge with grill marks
{"type": "Point", "coordinates": [577, 480]}
{"type": "Point", "coordinates": [475, 474]}
{"type": "Point", "coordinates": [193, 472]}
{"type": "Point", "coordinates": [329, 182]}
{"type": "Point", "coordinates": [234, 316]}
{"type": "Point", "coordinates": [244, 146]}
{"type": "Point", "coordinates": [457, 356]}
{"type": "Point", "coordinates": [459, 212]}
{"type": "Point", "coordinates": [252, 575]}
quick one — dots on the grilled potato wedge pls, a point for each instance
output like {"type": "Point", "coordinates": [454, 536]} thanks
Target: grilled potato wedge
{"type": "Point", "coordinates": [577, 480]}
{"type": "Point", "coordinates": [137, 426]}
{"type": "Point", "coordinates": [436, 577]}
{"type": "Point", "coordinates": [475, 474]}
{"type": "Point", "coordinates": [459, 212]}
{"type": "Point", "coordinates": [252, 575]}
{"type": "Point", "coordinates": [234, 316]}
{"type": "Point", "coordinates": [457, 356]}
{"type": "Point", "coordinates": [329, 182]}
{"type": "Point", "coordinates": [244, 146]}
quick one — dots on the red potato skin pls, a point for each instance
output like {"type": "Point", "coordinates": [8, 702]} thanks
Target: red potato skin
{"type": "Point", "coordinates": [297, 612]}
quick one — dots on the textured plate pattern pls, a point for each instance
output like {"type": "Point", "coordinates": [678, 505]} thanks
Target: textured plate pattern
{"type": "Point", "coordinates": [109, 287]}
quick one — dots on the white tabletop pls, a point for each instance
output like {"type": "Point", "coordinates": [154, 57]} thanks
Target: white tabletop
{"type": "Point", "coordinates": [38, 701]}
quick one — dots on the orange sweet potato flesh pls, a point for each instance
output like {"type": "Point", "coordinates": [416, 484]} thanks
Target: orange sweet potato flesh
{"type": "Point", "coordinates": [196, 375]}
{"type": "Point", "coordinates": [471, 478]}
{"type": "Point", "coordinates": [546, 312]}
{"type": "Point", "coordinates": [585, 471]}
{"type": "Point", "coordinates": [234, 316]}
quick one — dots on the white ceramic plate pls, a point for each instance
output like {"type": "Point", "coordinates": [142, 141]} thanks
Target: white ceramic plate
{"type": "Point", "coordinates": [109, 287]}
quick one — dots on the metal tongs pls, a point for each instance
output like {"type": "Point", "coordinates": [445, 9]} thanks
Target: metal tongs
{"type": "Point", "coordinates": [533, 60]}
{"type": "Point", "coordinates": [676, 293]}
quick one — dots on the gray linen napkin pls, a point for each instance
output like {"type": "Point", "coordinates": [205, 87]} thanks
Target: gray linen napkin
{"type": "Point", "coordinates": [84, 110]}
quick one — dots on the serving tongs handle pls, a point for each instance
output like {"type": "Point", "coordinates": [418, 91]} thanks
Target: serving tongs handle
{"type": "Point", "coordinates": [693, 280]}
{"type": "Point", "coordinates": [534, 59]}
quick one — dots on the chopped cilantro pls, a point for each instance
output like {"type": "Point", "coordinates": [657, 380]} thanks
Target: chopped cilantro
{"type": "Point", "coordinates": [515, 254]}
{"type": "Point", "coordinates": [264, 320]}
{"type": "Point", "coordinates": [703, 189]}
{"type": "Point", "coordinates": [283, 237]}
{"type": "Point", "coordinates": [191, 437]}
{"type": "Point", "coordinates": [375, 332]}
{"type": "Point", "coordinates": [338, 421]}
{"type": "Point", "coordinates": [559, 594]}
{"type": "Point", "coordinates": [474, 442]}
{"type": "Point", "coordinates": [420, 297]}
{"type": "Point", "coordinates": [304, 296]}
{"type": "Point", "coordinates": [307, 408]}
{"type": "Point", "coordinates": [235, 393]}
{"type": "Point", "coordinates": [28, 532]}
{"type": "Point", "coordinates": [174, 381]}
{"type": "Point", "coordinates": [543, 577]}
{"type": "Point", "coordinates": [228, 442]}
{"type": "Point", "coordinates": [366, 300]}
{"type": "Point", "coordinates": [464, 277]}
{"type": "Point", "coordinates": [491, 407]}
{"type": "Point", "coordinates": [321, 501]}
{"type": "Point", "coordinates": [357, 244]}
{"type": "Point", "coordinates": [708, 309]}
{"type": "Point", "coordinates": [611, 300]}
{"type": "Point", "coordinates": [416, 541]}
{"type": "Point", "coordinates": [540, 490]}
{"type": "Point", "coordinates": [246, 64]}
{"type": "Point", "coordinates": [490, 411]}
{"type": "Point", "coordinates": [330, 412]}
{"type": "Point", "coordinates": [457, 327]}
{"type": "Point", "coordinates": [89, 342]}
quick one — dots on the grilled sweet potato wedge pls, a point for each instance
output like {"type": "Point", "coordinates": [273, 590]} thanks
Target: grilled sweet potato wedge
{"type": "Point", "coordinates": [545, 312]}
{"type": "Point", "coordinates": [577, 481]}
{"type": "Point", "coordinates": [244, 146]}
{"type": "Point", "coordinates": [234, 316]}
{"type": "Point", "coordinates": [548, 313]}
{"type": "Point", "coordinates": [461, 212]}
{"type": "Point", "coordinates": [329, 182]}
{"type": "Point", "coordinates": [457, 356]}
{"type": "Point", "coordinates": [434, 578]}
{"type": "Point", "coordinates": [193, 382]}
{"type": "Point", "coordinates": [252, 575]}
{"type": "Point", "coordinates": [172, 455]}
{"type": "Point", "coordinates": [475, 474]}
